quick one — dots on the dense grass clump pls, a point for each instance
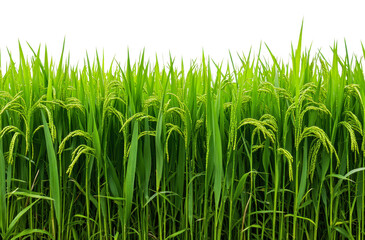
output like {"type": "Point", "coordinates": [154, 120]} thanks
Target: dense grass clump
{"type": "Point", "coordinates": [262, 151]}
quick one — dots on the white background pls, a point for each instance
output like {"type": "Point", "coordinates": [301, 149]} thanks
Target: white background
{"type": "Point", "coordinates": [184, 28]}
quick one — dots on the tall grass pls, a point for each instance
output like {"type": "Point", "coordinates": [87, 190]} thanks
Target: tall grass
{"type": "Point", "coordinates": [260, 151]}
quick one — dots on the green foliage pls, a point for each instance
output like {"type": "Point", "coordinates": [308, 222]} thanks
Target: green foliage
{"type": "Point", "coordinates": [259, 151]}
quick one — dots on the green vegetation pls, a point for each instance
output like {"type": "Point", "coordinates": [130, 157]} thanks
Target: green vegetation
{"type": "Point", "coordinates": [262, 151]}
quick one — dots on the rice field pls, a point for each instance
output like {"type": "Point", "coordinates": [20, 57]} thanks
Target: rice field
{"type": "Point", "coordinates": [260, 150]}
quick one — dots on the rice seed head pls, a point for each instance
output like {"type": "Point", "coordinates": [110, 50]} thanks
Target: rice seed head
{"type": "Point", "coordinates": [171, 129]}
{"type": "Point", "coordinates": [313, 153]}
{"type": "Point", "coordinates": [353, 120]}
{"type": "Point", "coordinates": [52, 127]}
{"type": "Point", "coordinates": [137, 116]}
{"type": "Point", "coordinates": [259, 126]}
{"type": "Point", "coordinates": [72, 134]}
{"type": "Point", "coordinates": [11, 148]}
{"type": "Point", "coordinates": [9, 129]}
{"type": "Point", "coordinates": [314, 131]}
{"type": "Point", "coordinates": [348, 127]}
{"type": "Point", "coordinates": [289, 158]}
{"type": "Point", "coordinates": [77, 153]}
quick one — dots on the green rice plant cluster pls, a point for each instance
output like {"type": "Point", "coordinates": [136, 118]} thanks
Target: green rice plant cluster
{"type": "Point", "coordinates": [262, 150]}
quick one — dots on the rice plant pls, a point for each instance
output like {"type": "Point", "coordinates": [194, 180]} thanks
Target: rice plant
{"type": "Point", "coordinates": [148, 151]}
